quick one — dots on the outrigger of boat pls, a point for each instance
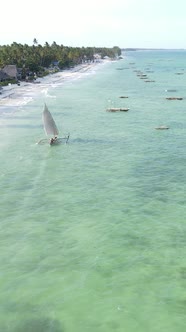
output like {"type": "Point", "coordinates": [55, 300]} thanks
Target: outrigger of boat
{"type": "Point", "coordinates": [117, 109]}
{"type": "Point", "coordinates": [58, 140]}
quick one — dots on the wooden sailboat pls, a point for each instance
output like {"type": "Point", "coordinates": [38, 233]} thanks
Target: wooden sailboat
{"type": "Point", "coordinates": [51, 129]}
{"type": "Point", "coordinates": [50, 125]}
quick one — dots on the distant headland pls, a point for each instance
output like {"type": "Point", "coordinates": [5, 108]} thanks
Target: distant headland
{"type": "Point", "coordinates": [151, 49]}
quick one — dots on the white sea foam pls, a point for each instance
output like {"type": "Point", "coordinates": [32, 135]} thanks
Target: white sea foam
{"type": "Point", "coordinates": [17, 96]}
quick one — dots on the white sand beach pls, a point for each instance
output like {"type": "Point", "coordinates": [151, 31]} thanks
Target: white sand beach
{"type": "Point", "coordinates": [18, 95]}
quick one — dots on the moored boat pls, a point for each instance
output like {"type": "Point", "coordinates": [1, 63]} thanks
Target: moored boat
{"type": "Point", "coordinates": [162, 127]}
{"type": "Point", "coordinates": [117, 109]}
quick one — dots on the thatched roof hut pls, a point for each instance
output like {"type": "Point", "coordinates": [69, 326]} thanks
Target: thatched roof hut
{"type": "Point", "coordinates": [10, 71]}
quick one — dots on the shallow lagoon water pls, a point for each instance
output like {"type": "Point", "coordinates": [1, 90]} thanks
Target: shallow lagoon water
{"type": "Point", "coordinates": [93, 232]}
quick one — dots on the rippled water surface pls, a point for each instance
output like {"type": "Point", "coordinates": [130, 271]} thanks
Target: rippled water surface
{"type": "Point", "coordinates": [93, 232]}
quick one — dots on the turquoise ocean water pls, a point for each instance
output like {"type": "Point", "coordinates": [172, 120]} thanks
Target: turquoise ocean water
{"type": "Point", "coordinates": [93, 233]}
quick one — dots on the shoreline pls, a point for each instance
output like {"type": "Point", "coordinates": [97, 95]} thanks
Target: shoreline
{"type": "Point", "coordinates": [9, 92]}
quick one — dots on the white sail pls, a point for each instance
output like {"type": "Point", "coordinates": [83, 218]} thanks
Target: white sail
{"type": "Point", "coordinates": [49, 123]}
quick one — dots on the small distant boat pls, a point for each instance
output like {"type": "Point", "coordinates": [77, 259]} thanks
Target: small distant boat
{"type": "Point", "coordinates": [162, 127]}
{"type": "Point", "coordinates": [117, 109]}
{"type": "Point", "coordinates": [174, 98]}
{"type": "Point", "coordinates": [51, 129]}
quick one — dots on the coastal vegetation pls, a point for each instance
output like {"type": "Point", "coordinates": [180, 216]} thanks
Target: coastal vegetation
{"type": "Point", "coordinates": [37, 60]}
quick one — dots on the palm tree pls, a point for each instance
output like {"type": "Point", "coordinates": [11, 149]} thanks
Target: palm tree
{"type": "Point", "coordinates": [35, 41]}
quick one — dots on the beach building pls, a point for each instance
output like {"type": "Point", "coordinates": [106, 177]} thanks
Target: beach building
{"type": "Point", "coordinates": [97, 57]}
{"type": "Point", "coordinates": [9, 72]}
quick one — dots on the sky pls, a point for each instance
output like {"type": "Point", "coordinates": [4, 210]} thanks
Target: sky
{"type": "Point", "coordinates": [99, 23]}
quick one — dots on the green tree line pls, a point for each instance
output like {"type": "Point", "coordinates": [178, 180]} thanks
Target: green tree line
{"type": "Point", "coordinates": [37, 58]}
